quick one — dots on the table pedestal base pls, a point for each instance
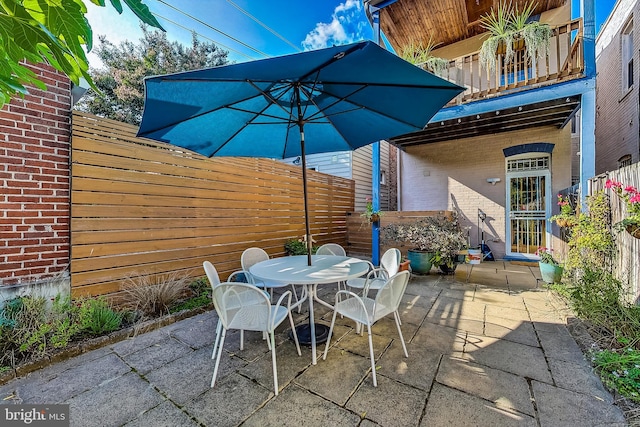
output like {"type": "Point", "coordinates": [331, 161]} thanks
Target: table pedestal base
{"type": "Point", "coordinates": [304, 334]}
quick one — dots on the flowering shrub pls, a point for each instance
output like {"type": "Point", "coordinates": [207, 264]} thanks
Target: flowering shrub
{"type": "Point", "coordinates": [567, 216]}
{"type": "Point", "coordinates": [546, 256]}
{"type": "Point", "coordinates": [438, 235]}
{"type": "Point", "coordinates": [631, 196]}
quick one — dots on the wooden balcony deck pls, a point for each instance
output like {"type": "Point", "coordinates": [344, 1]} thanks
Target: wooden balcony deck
{"type": "Point", "coordinates": [565, 61]}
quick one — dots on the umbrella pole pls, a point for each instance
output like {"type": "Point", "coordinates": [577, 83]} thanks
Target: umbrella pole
{"type": "Point", "coordinates": [296, 91]}
{"type": "Point", "coordinates": [306, 205]}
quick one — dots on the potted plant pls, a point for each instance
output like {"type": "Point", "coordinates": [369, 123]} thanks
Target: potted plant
{"type": "Point", "coordinates": [421, 55]}
{"type": "Point", "coordinates": [298, 247]}
{"type": "Point", "coordinates": [435, 241]}
{"type": "Point", "coordinates": [631, 196]}
{"type": "Point", "coordinates": [550, 268]}
{"type": "Point", "coordinates": [370, 215]}
{"type": "Point", "coordinates": [567, 216]}
{"type": "Point", "coordinates": [509, 30]}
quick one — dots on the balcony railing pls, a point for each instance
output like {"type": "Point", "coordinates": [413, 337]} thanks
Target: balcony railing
{"type": "Point", "coordinates": [565, 60]}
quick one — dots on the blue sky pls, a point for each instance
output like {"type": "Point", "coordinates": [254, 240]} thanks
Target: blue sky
{"type": "Point", "coordinates": [304, 25]}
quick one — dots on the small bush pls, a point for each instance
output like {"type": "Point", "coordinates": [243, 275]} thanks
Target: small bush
{"type": "Point", "coordinates": [97, 317]}
{"type": "Point", "coordinates": [200, 296]}
{"type": "Point", "coordinates": [620, 370]}
{"type": "Point", "coordinates": [298, 247]}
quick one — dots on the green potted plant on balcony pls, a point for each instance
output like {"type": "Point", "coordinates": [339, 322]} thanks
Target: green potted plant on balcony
{"type": "Point", "coordinates": [421, 55]}
{"type": "Point", "coordinates": [509, 31]}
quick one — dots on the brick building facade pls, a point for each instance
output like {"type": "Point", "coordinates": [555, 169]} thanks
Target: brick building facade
{"type": "Point", "coordinates": [35, 134]}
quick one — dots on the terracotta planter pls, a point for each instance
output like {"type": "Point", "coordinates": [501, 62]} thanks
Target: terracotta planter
{"type": "Point", "coordinates": [518, 44]}
{"type": "Point", "coordinates": [374, 218]}
{"type": "Point", "coordinates": [404, 265]}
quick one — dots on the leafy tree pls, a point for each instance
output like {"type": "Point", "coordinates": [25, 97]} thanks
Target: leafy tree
{"type": "Point", "coordinates": [52, 31]}
{"type": "Point", "coordinates": [121, 81]}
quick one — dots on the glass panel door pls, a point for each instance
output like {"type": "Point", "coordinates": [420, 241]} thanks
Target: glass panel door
{"type": "Point", "coordinates": [527, 212]}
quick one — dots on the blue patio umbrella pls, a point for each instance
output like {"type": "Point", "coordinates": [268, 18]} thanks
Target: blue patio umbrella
{"type": "Point", "coordinates": [335, 99]}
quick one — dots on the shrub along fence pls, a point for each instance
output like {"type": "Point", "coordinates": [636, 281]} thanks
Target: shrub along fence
{"type": "Point", "coordinates": [140, 207]}
{"type": "Point", "coordinates": [359, 230]}
{"type": "Point", "coordinates": [627, 262]}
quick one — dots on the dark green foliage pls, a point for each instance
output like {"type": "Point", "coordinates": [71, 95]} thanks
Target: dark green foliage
{"type": "Point", "coordinates": [591, 244]}
{"type": "Point", "coordinates": [97, 317]}
{"type": "Point", "coordinates": [126, 65]}
{"type": "Point", "coordinates": [201, 296]}
{"type": "Point", "coordinates": [297, 247]}
{"type": "Point", "coordinates": [620, 370]}
{"type": "Point", "coordinates": [55, 32]}
{"type": "Point", "coordinates": [31, 328]}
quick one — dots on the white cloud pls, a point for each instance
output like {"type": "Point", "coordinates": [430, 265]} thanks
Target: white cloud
{"type": "Point", "coordinates": [345, 27]}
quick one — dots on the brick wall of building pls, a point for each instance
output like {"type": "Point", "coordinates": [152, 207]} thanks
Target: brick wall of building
{"type": "Point", "coordinates": [617, 112]}
{"type": "Point", "coordinates": [453, 175]}
{"type": "Point", "coordinates": [35, 134]}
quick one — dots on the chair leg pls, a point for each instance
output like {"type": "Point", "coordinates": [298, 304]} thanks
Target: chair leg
{"type": "Point", "coordinates": [273, 361]}
{"type": "Point", "coordinates": [295, 334]}
{"type": "Point", "coordinates": [295, 296]}
{"type": "Point", "coordinates": [217, 341]}
{"type": "Point", "coordinates": [373, 361]}
{"type": "Point", "coordinates": [215, 368]}
{"type": "Point", "coordinates": [326, 347]}
{"type": "Point", "coordinates": [241, 339]}
{"type": "Point", "coordinates": [404, 347]}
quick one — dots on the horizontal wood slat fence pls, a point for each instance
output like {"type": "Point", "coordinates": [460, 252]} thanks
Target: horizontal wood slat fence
{"type": "Point", "coordinates": [627, 263]}
{"type": "Point", "coordinates": [359, 231]}
{"type": "Point", "coordinates": [139, 207]}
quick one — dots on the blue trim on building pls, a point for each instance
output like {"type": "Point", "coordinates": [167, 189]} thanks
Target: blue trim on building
{"type": "Point", "coordinates": [534, 147]}
{"type": "Point", "coordinates": [531, 96]}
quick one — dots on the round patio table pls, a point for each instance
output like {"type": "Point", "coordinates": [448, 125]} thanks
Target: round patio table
{"type": "Point", "coordinates": [324, 269]}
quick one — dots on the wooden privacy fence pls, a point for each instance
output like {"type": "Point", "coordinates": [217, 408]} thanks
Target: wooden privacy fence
{"type": "Point", "coordinates": [140, 207]}
{"type": "Point", "coordinates": [359, 232]}
{"type": "Point", "coordinates": [627, 262]}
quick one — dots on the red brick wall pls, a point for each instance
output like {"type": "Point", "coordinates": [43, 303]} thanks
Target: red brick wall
{"type": "Point", "coordinates": [35, 134]}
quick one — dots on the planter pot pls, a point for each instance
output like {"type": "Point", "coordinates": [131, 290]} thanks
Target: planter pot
{"type": "Point", "coordinates": [459, 259]}
{"type": "Point", "coordinates": [404, 266]}
{"type": "Point", "coordinates": [634, 230]}
{"type": "Point", "coordinates": [420, 261]}
{"type": "Point", "coordinates": [448, 270]}
{"type": "Point", "coordinates": [474, 256]}
{"type": "Point", "coordinates": [374, 218]}
{"type": "Point", "coordinates": [564, 223]}
{"type": "Point", "coordinates": [550, 273]}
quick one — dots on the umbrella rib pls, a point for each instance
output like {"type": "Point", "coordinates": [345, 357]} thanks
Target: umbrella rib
{"type": "Point", "coordinates": [346, 98]}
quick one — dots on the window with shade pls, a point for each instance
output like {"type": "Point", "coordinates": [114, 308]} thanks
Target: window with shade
{"type": "Point", "coordinates": [626, 56]}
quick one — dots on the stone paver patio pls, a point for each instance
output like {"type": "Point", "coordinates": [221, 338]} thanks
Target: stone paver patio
{"type": "Point", "coordinates": [493, 351]}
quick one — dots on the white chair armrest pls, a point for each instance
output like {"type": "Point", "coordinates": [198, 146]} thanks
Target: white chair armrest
{"type": "Point", "coordinates": [287, 295]}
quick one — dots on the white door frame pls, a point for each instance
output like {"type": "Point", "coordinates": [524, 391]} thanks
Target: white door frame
{"type": "Point", "coordinates": [533, 171]}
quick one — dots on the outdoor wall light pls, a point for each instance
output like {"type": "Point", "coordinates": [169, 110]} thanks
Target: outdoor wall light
{"type": "Point", "coordinates": [493, 181]}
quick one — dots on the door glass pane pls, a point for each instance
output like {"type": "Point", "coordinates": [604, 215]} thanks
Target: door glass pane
{"type": "Point", "coordinates": [527, 209]}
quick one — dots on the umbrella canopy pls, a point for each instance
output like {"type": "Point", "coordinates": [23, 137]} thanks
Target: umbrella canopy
{"type": "Point", "coordinates": [335, 99]}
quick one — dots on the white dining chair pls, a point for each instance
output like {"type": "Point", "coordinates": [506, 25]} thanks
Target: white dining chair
{"type": "Point", "coordinates": [331, 249]}
{"type": "Point", "coordinates": [377, 276]}
{"type": "Point", "coordinates": [367, 311]}
{"type": "Point", "coordinates": [245, 307]}
{"type": "Point", "coordinates": [336, 250]}
{"type": "Point", "coordinates": [252, 256]}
